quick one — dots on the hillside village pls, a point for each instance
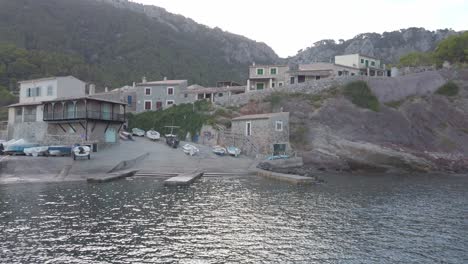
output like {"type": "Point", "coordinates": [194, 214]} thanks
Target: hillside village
{"type": "Point", "coordinates": [67, 111]}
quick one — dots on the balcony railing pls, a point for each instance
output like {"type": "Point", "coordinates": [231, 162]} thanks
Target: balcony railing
{"type": "Point", "coordinates": [80, 115]}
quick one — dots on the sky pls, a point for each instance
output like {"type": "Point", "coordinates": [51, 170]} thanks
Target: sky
{"type": "Point", "coordinates": [290, 25]}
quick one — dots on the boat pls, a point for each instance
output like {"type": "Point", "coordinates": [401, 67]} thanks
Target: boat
{"type": "Point", "coordinates": [190, 149]}
{"type": "Point", "coordinates": [59, 150]}
{"type": "Point", "coordinates": [17, 147]}
{"type": "Point", "coordinates": [36, 151]}
{"type": "Point", "coordinates": [138, 132]}
{"type": "Point", "coordinates": [172, 140]}
{"type": "Point", "coordinates": [233, 151]}
{"type": "Point", "coordinates": [81, 152]}
{"type": "Point", "coordinates": [218, 150]}
{"type": "Point", "coordinates": [125, 135]}
{"type": "Point", "coordinates": [153, 135]}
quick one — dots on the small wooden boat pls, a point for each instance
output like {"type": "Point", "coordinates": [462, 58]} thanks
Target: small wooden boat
{"type": "Point", "coordinates": [81, 152]}
{"type": "Point", "coordinates": [233, 151]}
{"type": "Point", "coordinates": [218, 150]}
{"type": "Point", "coordinates": [153, 135]}
{"type": "Point", "coordinates": [190, 149]}
{"type": "Point", "coordinates": [138, 132]}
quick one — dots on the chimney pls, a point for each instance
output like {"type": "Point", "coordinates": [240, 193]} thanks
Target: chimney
{"type": "Point", "coordinates": [92, 89]}
{"type": "Point", "coordinates": [143, 80]}
{"type": "Point", "coordinates": [134, 85]}
{"type": "Point", "coordinates": [106, 89]}
{"type": "Point", "coordinates": [165, 78]}
{"type": "Point", "coordinates": [253, 63]}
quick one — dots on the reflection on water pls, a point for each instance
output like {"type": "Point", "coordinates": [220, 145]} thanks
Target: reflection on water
{"type": "Point", "coordinates": [237, 220]}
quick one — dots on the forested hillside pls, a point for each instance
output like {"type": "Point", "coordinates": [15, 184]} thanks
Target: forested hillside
{"type": "Point", "coordinates": [121, 45]}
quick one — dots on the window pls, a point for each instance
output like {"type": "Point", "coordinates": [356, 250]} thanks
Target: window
{"type": "Point", "coordinates": [38, 91]}
{"type": "Point", "coordinates": [129, 100]}
{"type": "Point", "coordinates": [260, 86]}
{"type": "Point", "coordinates": [220, 94]}
{"type": "Point", "coordinates": [185, 95]}
{"type": "Point", "coordinates": [50, 90]}
{"type": "Point", "coordinates": [147, 91]}
{"type": "Point", "coordinates": [148, 105]}
{"type": "Point", "coordinates": [273, 71]}
{"type": "Point", "coordinates": [273, 85]}
{"type": "Point", "coordinates": [340, 73]}
{"type": "Point", "coordinates": [158, 105]}
{"type": "Point", "coordinates": [279, 126]}
{"type": "Point", "coordinates": [291, 80]}
{"type": "Point", "coordinates": [170, 90]}
{"type": "Point", "coordinates": [169, 102]}
{"type": "Point", "coordinates": [28, 92]}
{"type": "Point", "coordinates": [259, 71]}
{"type": "Point", "coordinates": [280, 84]}
{"type": "Point", "coordinates": [362, 60]}
{"type": "Point", "coordinates": [317, 77]}
{"type": "Point", "coordinates": [372, 63]}
{"type": "Point", "coordinates": [248, 128]}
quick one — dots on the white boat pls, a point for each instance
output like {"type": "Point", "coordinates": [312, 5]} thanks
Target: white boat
{"type": "Point", "coordinates": [153, 135]}
{"type": "Point", "coordinates": [233, 151]}
{"type": "Point", "coordinates": [190, 149]}
{"type": "Point", "coordinates": [36, 151]}
{"type": "Point", "coordinates": [218, 150]}
{"type": "Point", "coordinates": [138, 132]}
{"type": "Point", "coordinates": [81, 152]}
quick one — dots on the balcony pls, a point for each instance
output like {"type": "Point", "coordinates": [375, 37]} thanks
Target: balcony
{"type": "Point", "coordinates": [83, 115]}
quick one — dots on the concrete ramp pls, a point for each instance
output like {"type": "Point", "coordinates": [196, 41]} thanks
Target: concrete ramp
{"type": "Point", "coordinates": [183, 179]}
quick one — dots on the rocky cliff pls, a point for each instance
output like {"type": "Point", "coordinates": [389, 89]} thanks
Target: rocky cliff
{"type": "Point", "coordinates": [415, 129]}
{"type": "Point", "coordinates": [389, 46]}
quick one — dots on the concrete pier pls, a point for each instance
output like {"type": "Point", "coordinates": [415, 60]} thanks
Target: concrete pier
{"type": "Point", "coordinates": [112, 176]}
{"type": "Point", "coordinates": [183, 179]}
{"type": "Point", "coordinates": [291, 178]}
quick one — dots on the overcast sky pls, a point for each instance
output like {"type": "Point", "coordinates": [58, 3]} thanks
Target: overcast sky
{"type": "Point", "coordinates": [290, 25]}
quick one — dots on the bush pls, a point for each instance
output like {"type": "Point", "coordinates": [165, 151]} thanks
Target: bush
{"type": "Point", "coordinates": [448, 89]}
{"type": "Point", "coordinates": [359, 94]}
{"type": "Point", "coordinates": [187, 116]}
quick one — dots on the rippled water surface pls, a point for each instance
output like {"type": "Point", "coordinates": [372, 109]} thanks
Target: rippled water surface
{"type": "Point", "coordinates": [350, 219]}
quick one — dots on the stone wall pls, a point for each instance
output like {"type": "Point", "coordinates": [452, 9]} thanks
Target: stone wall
{"type": "Point", "coordinates": [307, 87]}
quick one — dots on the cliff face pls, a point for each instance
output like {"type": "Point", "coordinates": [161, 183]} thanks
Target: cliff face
{"type": "Point", "coordinates": [236, 48]}
{"type": "Point", "coordinates": [389, 46]}
{"type": "Point", "coordinates": [422, 131]}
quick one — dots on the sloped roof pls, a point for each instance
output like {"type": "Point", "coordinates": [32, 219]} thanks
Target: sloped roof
{"type": "Point", "coordinates": [49, 78]}
{"type": "Point", "coordinates": [259, 116]}
{"type": "Point", "coordinates": [166, 82]}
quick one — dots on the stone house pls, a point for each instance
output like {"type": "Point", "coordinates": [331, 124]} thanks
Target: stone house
{"type": "Point", "coordinates": [316, 71]}
{"type": "Point", "coordinates": [366, 65]}
{"type": "Point", "coordinates": [268, 133]}
{"type": "Point", "coordinates": [212, 94]}
{"type": "Point", "coordinates": [267, 76]}
{"type": "Point", "coordinates": [126, 94]}
{"type": "Point", "coordinates": [159, 95]}
{"type": "Point", "coordinates": [57, 110]}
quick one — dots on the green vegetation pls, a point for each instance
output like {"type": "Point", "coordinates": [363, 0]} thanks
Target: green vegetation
{"type": "Point", "coordinates": [299, 135]}
{"type": "Point", "coordinates": [361, 95]}
{"type": "Point", "coordinates": [395, 104]}
{"type": "Point", "coordinates": [448, 89]}
{"type": "Point", "coordinates": [122, 45]}
{"type": "Point", "coordinates": [414, 59]}
{"type": "Point", "coordinates": [190, 118]}
{"type": "Point", "coordinates": [453, 49]}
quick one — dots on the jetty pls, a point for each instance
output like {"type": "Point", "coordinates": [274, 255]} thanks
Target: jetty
{"type": "Point", "coordinates": [291, 178]}
{"type": "Point", "coordinates": [112, 176]}
{"type": "Point", "coordinates": [183, 179]}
